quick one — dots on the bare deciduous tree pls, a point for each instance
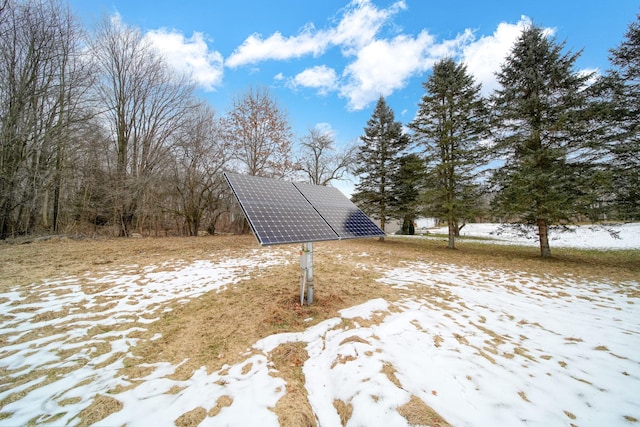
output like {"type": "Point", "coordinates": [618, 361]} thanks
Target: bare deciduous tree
{"type": "Point", "coordinates": [201, 153]}
{"type": "Point", "coordinates": [42, 81]}
{"type": "Point", "coordinates": [72, 106]}
{"type": "Point", "coordinates": [320, 161]}
{"type": "Point", "coordinates": [261, 134]}
{"type": "Point", "coordinates": [144, 103]}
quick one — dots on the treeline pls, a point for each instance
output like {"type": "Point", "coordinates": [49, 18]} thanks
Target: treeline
{"type": "Point", "coordinates": [551, 146]}
{"type": "Point", "coordinates": [99, 135]}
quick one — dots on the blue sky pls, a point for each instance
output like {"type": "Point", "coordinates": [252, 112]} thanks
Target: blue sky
{"type": "Point", "coordinates": [328, 61]}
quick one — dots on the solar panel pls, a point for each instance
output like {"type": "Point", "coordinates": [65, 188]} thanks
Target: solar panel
{"type": "Point", "coordinates": [345, 218]}
{"type": "Point", "coordinates": [283, 212]}
{"type": "Point", "coordinates": [277, 212]}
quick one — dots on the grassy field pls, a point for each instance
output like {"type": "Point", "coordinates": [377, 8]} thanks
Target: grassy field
{"type": "Point", "coordinates": [216, 328]}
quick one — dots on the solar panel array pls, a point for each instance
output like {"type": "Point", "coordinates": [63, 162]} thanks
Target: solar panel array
{"type": "Point", "coordinates": [284, 212]}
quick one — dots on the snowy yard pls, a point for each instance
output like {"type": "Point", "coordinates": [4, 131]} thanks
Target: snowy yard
{"type": "Point", "coordinates": [626, 236]}
{"type": "Point", "coordinates": [480, 347]}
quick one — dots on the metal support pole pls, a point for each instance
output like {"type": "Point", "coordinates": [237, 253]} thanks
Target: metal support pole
{"type": "Point", "coordinates": [306, 272]}
{"type": "Point", "coordinates": [310, 273]}
{"type": "Point", "coordinates": [303, 273]}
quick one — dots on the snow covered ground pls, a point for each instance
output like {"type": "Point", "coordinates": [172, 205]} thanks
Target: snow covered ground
{"type": "Point", "coordinates": [482, 348]}
{"type": "Point", "coordinates": [622, 236]}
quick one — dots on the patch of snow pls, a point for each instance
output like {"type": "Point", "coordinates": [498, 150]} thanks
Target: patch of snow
{"type": "Point", "coordinates": [83, 311]}
{"type": "Point", "coordinates": [251, 385]}
{"type": "Point", "coordinates": [481, 347]}
{"type": "Point", "coordinates": [582, 236]}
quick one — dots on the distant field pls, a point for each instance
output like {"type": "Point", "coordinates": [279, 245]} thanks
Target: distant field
{"type": "Point", "coordinates": [89, 328]}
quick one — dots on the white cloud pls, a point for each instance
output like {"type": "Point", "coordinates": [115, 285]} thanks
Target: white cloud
{"type": "Point", "coordinates": [326, 129]}
{"type": "Point", "coordinates": [384, 66]}
{"type": "Point", "coordinates": [592, 73]}
{"type": "Point", "coordinates": [378, 64]}
{"type": "Point", "coordinates": [320, 77]}
{"type": "Point", "coordinates": [116, 20]}
{"type": "Point", "coordinates": [359, 25]}
{"type": "Point", "coordinates": [190, 56]}
{"type": "Point", "coordinates": [485, 56]}
{"type": "Point", "coordinates": [255, 49]}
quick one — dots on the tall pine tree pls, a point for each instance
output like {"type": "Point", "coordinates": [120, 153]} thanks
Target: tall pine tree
{"type": "Point", "coordinates": [407, 188]}
{"type": "Point", "coordinates": [539, 128]}
{"type": "Point", "coordinates": [450, 123]}
{"type": "Point", "coordinates": [377, 158]}
{"type": "Point", "coordinates": [624, 144]}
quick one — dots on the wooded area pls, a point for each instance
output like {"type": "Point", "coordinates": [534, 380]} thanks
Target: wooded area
{"type": "Point", "coordinates": [98, 135]}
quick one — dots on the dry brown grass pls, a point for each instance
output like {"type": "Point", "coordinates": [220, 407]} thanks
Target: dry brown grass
{"type": "Point", "coordinates": [419, 413]}
{"type": "Point", "coordinates": [222, 402]}
{"type": "Point", "coordinates": [217, 328]}
{"type": "Point", "coordinates": [345, 410]}
{"type": "Point", "coordinates": [32, 262]}
{"type": "Point", "coordinates": [191, 418]}
{"type": "Point", "coordinates": [293, 409]}
{"type": "Point", "coordinates": [101, 407]}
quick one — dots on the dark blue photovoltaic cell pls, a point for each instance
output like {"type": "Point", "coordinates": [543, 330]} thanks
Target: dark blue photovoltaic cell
{"type": "Point", "coordinates": [283, 212]}
{"type": "Point", "coordinates": [345, 218]}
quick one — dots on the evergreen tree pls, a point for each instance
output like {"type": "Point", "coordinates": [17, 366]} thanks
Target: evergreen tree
{"type": "Point", "coordinates": [377, 160]}
{"type": "Point", "coordinates": [450, 123]}
{"type": "Point", "coordinates": [540, 129]}
{"type": "Point", "coordinates": [625, 142]}
{"type": "Point", "coordinates": [407, 187]}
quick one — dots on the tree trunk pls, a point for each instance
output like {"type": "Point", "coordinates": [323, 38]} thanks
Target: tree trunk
{"type": "Point", "coordinates": [543, 233]}
{"type": "Point", "coordinates": [453, 228]}
{"type": "Point", "coordinates": [4, 221]}
{"type": "Point", "coordinates": [126, 224]}
{"type": "Point", "coordinates": [56, 207]}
